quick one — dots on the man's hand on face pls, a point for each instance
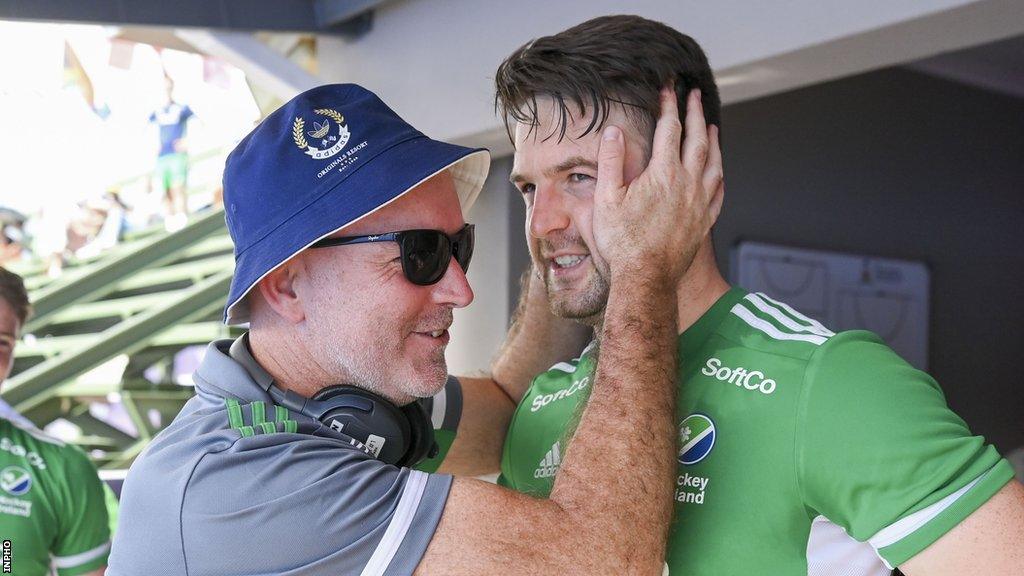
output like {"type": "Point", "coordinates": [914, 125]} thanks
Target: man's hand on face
{"type": "Point", "coordinates": [651, 227]}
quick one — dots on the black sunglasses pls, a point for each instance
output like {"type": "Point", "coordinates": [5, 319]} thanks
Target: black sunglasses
{"type": "Point", "coordinates": [425, 253]}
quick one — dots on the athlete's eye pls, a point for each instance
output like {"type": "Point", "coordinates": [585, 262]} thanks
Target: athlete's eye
{"type": "Point", "coordinates": [527, 188]}
{"type": "Point", "coordinates": [577, 178]}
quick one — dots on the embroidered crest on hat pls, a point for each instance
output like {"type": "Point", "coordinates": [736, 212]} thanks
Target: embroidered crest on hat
{"type": "Point", "coordinates": [330, 144]}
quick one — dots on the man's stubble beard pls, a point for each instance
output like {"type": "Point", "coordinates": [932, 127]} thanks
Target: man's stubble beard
{"type": "Point", "coordinates": [370, 367]}
{"type": "Point", "coordinates": [332, 347]}
{"type": "Point", "coordinates": [586, 305]}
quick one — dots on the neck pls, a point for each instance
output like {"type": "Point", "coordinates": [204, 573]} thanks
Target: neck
{"type": "Point", "coordinates": [288, 362]}
{"type": "Point", "coordinates": [700, 287]}
{"type": "Point", "coordinates": [698, 290]}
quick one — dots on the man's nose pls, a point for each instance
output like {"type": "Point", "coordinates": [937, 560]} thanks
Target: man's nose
{"type": "Point", "coordinates": [453, 289]}
{"type": "Point", "coordinates": [548, 213]}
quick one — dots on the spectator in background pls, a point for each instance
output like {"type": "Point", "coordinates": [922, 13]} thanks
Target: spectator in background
{"type": "Point", "coordinates": [52, 505]}
{"type": "Point", "coordinates": [12, 245]}
{"type": "Point", "coordinates": [171, 174]}
{"type": "Point", "coordinates": [99, 226]}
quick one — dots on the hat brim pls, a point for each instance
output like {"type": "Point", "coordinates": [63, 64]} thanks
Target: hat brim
{"type": "Point", "coordinates": [375, 182]}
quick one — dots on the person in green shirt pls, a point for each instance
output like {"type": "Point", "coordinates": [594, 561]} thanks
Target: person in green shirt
{"type": "Point", "coordinates": [53, 517]}
{"type": "Point", "coordinates": [800, 451]}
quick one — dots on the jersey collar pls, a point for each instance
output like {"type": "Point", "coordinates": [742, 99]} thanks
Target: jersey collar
{"type": "Point", "coordinates": [694, 337]}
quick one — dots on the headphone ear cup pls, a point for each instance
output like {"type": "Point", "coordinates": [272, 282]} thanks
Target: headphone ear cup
{"type": "Point", "coordinates": [421, 431]}
{"type": "Point", "coordinates": [368, 418]}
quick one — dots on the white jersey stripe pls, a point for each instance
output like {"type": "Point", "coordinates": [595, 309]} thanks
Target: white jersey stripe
{"type": "Point", "coordinates": [906, 526]}
{"type": "Point", "coordinates": [564, 367]}
{"type": "Point", "coordinates": [438, 408]}
{"type": "Point", "coordinates": [806, 319]}
{"type": "Point", "coordinates": [786, 321]}
{"type": "Point", "coordinates": [82, 558]}
{"type": "Point", "coordinates": [399, 525]}
{"type": "Point", "coordinates": [769, 329]}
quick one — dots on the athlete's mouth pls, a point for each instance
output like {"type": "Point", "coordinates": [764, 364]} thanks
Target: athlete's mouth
{"type": "Point", "coordinates": [567, 261]}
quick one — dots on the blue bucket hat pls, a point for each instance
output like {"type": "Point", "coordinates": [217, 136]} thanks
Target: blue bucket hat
{"type": "Point", "coordinates": [329, 157]}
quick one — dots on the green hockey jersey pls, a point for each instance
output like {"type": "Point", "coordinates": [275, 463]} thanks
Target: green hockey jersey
{"type": "Point", "coordinates": [52, 506]}
{"type": "Point", "coordinates": [801, 451]}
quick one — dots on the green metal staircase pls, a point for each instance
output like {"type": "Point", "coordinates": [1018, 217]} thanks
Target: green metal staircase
{"type": "Point", "coordinates": [99, 326]}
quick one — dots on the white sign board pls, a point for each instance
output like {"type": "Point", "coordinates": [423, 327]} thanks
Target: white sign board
{"type": "Point", "coordinates": [844, 291]}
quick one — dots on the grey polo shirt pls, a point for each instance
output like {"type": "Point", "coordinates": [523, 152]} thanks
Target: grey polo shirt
{"type": "Point", "coordinates": [237, 485]}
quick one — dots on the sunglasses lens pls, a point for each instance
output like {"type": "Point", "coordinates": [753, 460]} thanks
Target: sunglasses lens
{"type": "Point", "coordinates": [425, 256]}
{"type": "Point", "coordinates": [463, 248]}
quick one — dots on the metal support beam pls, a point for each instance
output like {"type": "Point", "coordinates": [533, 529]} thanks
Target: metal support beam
{"type": "Point", "coordinates": [262, 65]}
{"type": "Point", "coordinates": [351, 17]}
{"type": "Point", "coordinates": [101, 279]}
{"type": "Point", "coordinates": [339, 17]}
{"type": "Point", "coordinates": [40, 382]}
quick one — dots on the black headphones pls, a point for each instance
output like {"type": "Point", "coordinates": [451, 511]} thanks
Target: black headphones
{"type": "Point", "coordinates": [403, 436]}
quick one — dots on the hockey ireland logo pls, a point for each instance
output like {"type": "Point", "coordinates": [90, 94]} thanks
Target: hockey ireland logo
{"type": "Point", "coordinates": [329, 144]}
{"type": "Point", "coordinates": [15, 480]}
{"type": "Point", "coordinates": [696, 438]}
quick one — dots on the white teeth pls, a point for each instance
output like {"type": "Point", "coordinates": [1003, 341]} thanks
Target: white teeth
{"type": "Point", "coordinates": [567, 261]}
{"type": "Point", "coordinates": [437, 333]}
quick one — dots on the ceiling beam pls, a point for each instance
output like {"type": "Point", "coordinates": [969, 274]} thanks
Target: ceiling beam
{"type": "Point", "coordinates": [262, 65]}
{"type": "Point", "coordinates": [332, 17]}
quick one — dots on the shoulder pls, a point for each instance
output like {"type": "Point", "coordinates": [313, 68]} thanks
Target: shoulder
{"type": "Point", "coordinates": [331, 495]}
{"type": "Point", "coordinates": [24, 440]}
{"type": "Point", "coordinates": [12, 428]}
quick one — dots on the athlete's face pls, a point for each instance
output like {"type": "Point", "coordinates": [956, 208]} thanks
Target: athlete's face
{"type": "Point", "coordinates": [557, 180]}
{"type": "Point", "coordinates": [9, 326]}
{"type": "Point", "coordinates": [369, 324]}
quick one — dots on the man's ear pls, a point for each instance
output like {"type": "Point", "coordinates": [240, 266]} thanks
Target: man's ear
{"type": "Point", "coordinates": [278, 290]}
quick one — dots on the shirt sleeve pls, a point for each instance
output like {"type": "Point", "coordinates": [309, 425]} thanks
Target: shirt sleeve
{"type": "Point", "coordinates": [83, 541]}
{"type": "Point", "coordinates": [879, 452]}
{"type": "Point", "coordinates": [321, 507]}
{"type": "Point", "coordinates": [445, 409]}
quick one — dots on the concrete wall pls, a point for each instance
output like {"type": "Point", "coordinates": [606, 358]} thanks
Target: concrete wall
{"type": "Point", "coordinates": [479, 328]}
{"type": "Point", "coordinates": [900, 164]}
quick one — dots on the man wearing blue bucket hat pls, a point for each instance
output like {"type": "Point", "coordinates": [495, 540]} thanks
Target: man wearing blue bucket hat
{"type": "Point", "coordinates": [296, 454]}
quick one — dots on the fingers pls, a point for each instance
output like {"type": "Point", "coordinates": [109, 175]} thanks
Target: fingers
{"type": "Point", "coordinates": [714, 181]}
{"type": "Point", "coordinates": [695, 146]}
{"type": "Point", "coordinates": [667, 131]}
{"type": "Point", "coordinates": [713, 171]}
{"type": "Point", "coordinates": [610, 159]}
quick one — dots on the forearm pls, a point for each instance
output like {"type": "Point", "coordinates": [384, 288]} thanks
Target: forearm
{"type": "Point", "coordinates": [486, 414]}
{"type": "Point", "coordinates": [536, 341]}
{"type": "Point", "coordinates": [627, 425]}
{"type": "Point", "coordinates": [611, 504]}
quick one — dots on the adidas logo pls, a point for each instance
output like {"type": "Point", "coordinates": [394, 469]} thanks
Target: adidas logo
{"type": "Point", "coordinates": [549, 464]}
